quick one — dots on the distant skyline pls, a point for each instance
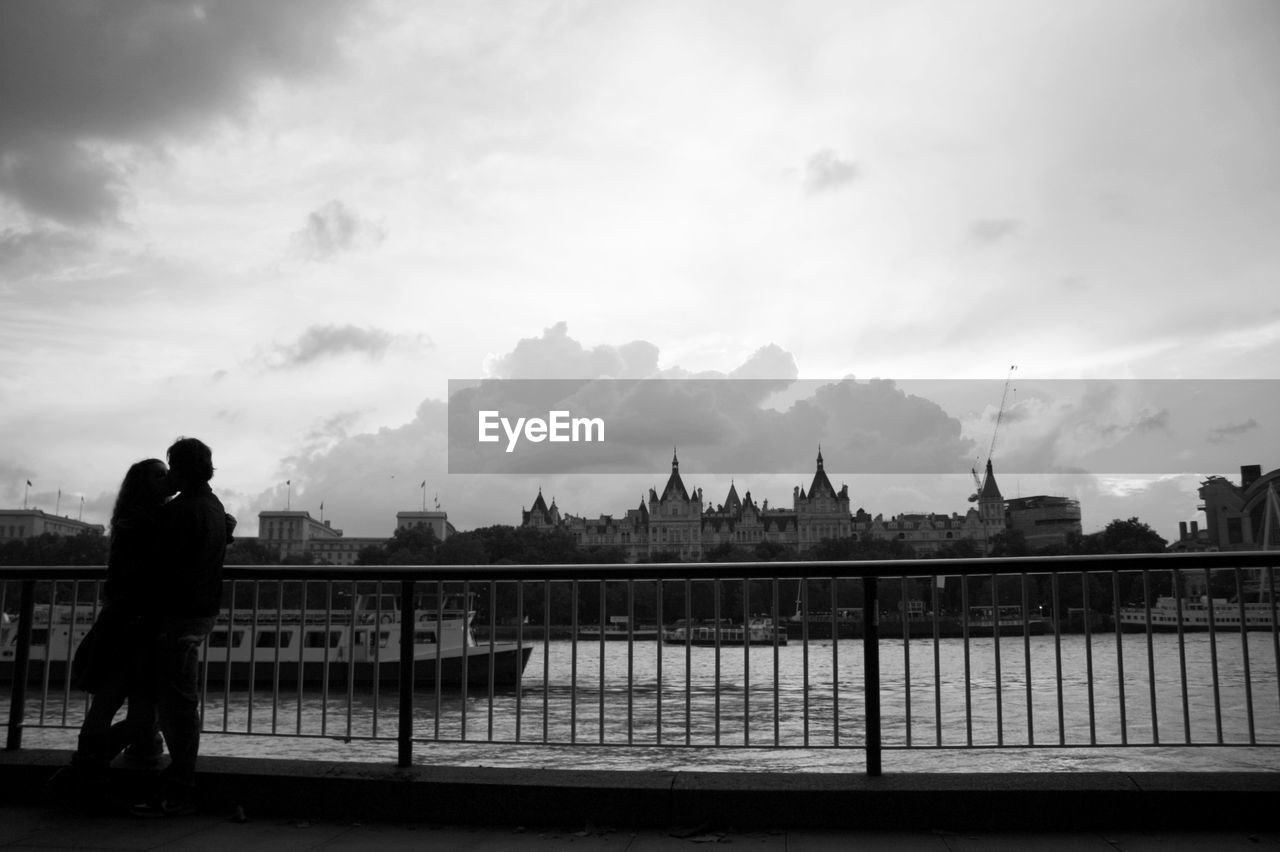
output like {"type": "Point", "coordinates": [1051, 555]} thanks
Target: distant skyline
{"type": "Point", "coordinates": [284, 227]}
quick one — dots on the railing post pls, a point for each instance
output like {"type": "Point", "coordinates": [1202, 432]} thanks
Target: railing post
{"type": "Point", "coordinates": [871, 672]}
{"type": "Point", "coordinates": [21, 662]}
{"type": "Point", "coordinates": [408, 620]}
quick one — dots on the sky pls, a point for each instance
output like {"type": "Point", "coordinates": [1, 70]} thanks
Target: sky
{"type": "Point", "coordinates": [284, 227]}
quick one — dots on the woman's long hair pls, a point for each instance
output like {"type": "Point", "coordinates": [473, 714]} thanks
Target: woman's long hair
{"type": "Point", "coordinates": [136, 494]}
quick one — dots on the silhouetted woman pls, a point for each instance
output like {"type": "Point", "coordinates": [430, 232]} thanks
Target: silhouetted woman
{"type": "Point", "coordinates": [119, 662]}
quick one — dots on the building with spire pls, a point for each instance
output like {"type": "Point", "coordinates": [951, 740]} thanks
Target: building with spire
{"type": "Point", "coordinates": [679, 522]}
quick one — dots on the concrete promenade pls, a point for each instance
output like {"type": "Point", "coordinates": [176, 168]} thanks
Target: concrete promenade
{"type": "Point", "coordinates": [283, 805]}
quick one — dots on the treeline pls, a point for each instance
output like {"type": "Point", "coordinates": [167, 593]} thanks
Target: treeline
{"type": "Point", "coordinates": [700, 599]}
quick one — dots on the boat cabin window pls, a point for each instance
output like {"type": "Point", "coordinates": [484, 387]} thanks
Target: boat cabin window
{"type": "Point", "coordinates": [375, 603]}
{"type": "Point", "coordinates": [39, 636]}
{"type": "Point", "coordinates": [384, 637]}
{"type": "Point", "coordinates": [424, 637]}
{"type": "Point", "coordinates": [218, 639]}
{"type": "Point", "coordinates": [274, 639]}
{"type": "Point", "coordinates": [315, 638]}
{"type": "Point", "coordinates": [429, 605]}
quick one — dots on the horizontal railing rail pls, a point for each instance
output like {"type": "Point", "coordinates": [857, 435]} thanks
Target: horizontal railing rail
{"type": "Point", "coordinates": [1024, 652]}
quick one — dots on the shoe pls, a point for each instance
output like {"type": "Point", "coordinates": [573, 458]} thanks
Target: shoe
{"type": "Point", "coordinates": [158, 808]}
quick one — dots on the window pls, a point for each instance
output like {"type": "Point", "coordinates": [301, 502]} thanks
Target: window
{"type": "Point", "coordinates": [218, 639]}
{"type": "Point", "coordinates": [315, 638]}
{"type": "Point", "coordinates": [424, 637]}
{"type": "Point", "coordinates": [272, 639]}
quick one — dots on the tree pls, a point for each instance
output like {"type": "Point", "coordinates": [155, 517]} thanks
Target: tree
{"type": "Point", "coordinates": [86, 548]}
{"type": "Point", "coordinates": [1131, 536]}
{"type": "Point", "coordinates": [249, 551]}
{"type": "Point", "coordinates": [1009, 543]}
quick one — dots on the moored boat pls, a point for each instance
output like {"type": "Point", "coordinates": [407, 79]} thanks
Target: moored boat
{"type": "Point", "coordinates": [759, 630]}
{"type": "Point", "coordinates": [357, 645]}
{"type": "Point", "coordinates": [1195, 614]}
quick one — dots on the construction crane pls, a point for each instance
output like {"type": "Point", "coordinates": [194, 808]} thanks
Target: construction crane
{"type": "Point", "coordinates": [1004, 398]}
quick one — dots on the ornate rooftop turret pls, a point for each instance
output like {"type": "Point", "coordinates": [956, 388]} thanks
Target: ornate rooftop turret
{"type": "Point", "coordinates": [821, 486]}
{"type": "Point", "coordinates": [675, 485]}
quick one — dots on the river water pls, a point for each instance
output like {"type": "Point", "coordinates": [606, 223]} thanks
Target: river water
{"type": "Point", "coordinates": [741, 709]}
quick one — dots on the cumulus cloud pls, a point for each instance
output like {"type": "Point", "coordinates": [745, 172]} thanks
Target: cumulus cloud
{"type": "Point", "coordinates": [721, 422]}
{"type": "Point", "coordinates": [328, 341]}
{"type": "Point", "coordinates": [78, 80]}
{"type": "Point", "coordinates": [1231, 431]}
{"type": "Point", "coordinates": [827, 170]}
{"type": "Point", "coordinates": [334, 228]}
{"type": "Point", "coordinates": [555, 355]}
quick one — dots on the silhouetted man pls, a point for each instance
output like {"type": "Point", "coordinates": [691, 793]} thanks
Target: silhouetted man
{"type": "Point", "coordinates": [188, 591]}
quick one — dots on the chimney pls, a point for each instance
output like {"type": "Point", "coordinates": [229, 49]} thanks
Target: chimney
{"type": "Point", "coordinates": [1182, 530]}
{"type": "Point", "coordinates": [1249, 474]}
{"type": "Point", "coordinates": [1195, 528]}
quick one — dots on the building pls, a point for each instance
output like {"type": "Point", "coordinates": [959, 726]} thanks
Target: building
{"type": "Point", "coordinates": [1244, 516]}
{"type": "Point", "coordinates": [1044, 521]}
{"type": "Point", "coordinates": [679, 522]}
{"type": "Point", "coordinates": [16, 524]}
{"type": "Point", "coordinates": [290, 533]}
{"type": "Point", "coordinates": [436, 520]}
{"type": "Point", "coordinates": [926, 532]}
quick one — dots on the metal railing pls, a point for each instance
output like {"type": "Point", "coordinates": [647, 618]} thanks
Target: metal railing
{"type": "Point", "coordinates": [1024, 653]}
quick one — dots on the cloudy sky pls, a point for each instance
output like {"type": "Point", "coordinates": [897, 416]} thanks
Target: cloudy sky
{"type": "Point", "coordinates": [284, 227]}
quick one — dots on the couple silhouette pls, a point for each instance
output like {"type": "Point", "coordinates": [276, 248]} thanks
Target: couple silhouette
{"type": "Point", "coordinates": [169, 535]}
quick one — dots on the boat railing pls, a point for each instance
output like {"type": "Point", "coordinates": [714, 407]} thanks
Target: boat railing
{"type": "Point", "coordinates": [867, 687]}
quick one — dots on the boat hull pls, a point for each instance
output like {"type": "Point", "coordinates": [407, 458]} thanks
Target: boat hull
{"type": "Point", "coordinates": [504, 663]}
{"type": "Point", "coordinates": [588, 635]}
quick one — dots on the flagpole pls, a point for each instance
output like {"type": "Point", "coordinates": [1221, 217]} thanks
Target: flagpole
{"type": "Point", "coordinates": [424, 495]}
{"type": "Point", "coordinates": [80, 517]}
{"type": "Point", "coordinates": [57, 506]}
{"type": "Point", "coordinates": [288, 500]}
{"type": "Point", "coordinates": [24, 495]}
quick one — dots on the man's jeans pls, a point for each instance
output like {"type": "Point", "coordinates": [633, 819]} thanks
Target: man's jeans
{"type": "Point", "coordinates": [178, 693]}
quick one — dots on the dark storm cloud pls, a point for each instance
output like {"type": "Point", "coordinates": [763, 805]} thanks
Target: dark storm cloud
{"type": "Point", "coordinates": [77, 76]}
{"type": "Point", "coordinates": [64, 182]}
{"type": "Point", "coordinates": [334, 228]}
{"type": "Point", "coordinates": [718, 425]}
{"type": "Point", "coordinates": [827, 170]}
{"type": "Point", "coordinates": [1231, 431]}
{"type": "Point", "coordinates": [720, 422]}
{"type": "Point", "coordinates": [326, 341]}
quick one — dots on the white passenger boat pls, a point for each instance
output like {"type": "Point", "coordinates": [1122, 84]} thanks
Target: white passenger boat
{"type": "Point", "coordinates": [1195, 615]}
{"type": "Point", "coordinates": [759, 630]}
{"type": "Point", "coordinates": [357, 645]}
